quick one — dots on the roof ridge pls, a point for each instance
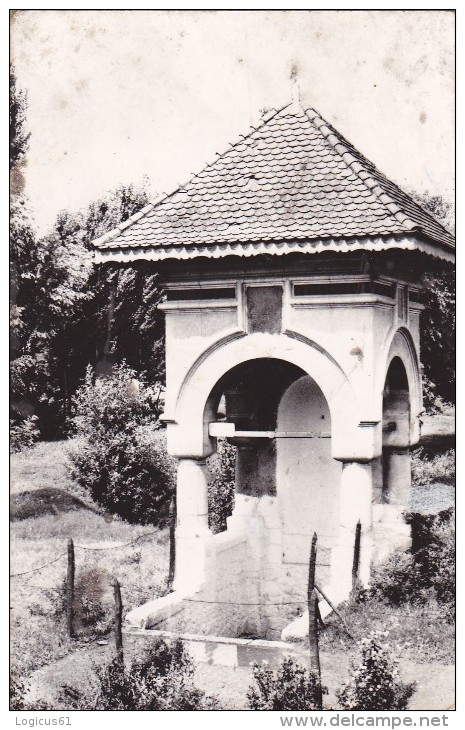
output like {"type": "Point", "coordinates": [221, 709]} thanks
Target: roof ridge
{"type": "Point", "coordinates": [357, 167]}
{"type": "Point", "coordinates": [265, 119]}
{"type": "Point", "coordinates": [165, 196]}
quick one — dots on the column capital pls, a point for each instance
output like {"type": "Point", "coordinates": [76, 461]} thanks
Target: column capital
{"type": "Point", "coordinates": [200, 460]}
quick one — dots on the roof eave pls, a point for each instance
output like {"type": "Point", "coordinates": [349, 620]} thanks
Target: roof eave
{"type": "Point", "coordinates": [277, 248]}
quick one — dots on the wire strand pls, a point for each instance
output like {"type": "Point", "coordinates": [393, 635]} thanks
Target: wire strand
{"type": "Point", "coordinates": [41, 567]}
{"type": "Point", "coordinates": [115, 547]}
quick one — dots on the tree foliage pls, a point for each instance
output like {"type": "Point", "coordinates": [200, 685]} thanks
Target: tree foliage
{"type": "Point", "coordinates": [19, 137]}
{"type": "Point", "coordinates": [437, 321]}
{"type": "Point", "coordinates": [438, 337]}
{"type": "Point", "coordinates": [221, 487]}
{"type": "Point", "coordinates": [66, 313]}
{"type": "Point", "coordinates": [117, 318]}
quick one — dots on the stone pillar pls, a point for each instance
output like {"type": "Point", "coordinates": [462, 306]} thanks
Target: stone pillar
{"type": "Point", "coordinates": [397, 479]}
{"type": "Point", "coordinates": [192, 531]}
{"type": "Point", "coordinates": [391, 531]}
{"type": "Point", "coordinates": [355, 505]}
{"type": "Point", "coordinates": [247, 521]}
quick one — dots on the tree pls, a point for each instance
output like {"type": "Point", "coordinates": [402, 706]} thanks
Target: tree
{"type": "Point", "coordinates": [48, 282]}
{"type": "Point", "coordinates": [437, 321]}
{"type": "Point", "coordinates": [19, 138]}
{"type": "Point", "coordinates": [27, 347]}
{"type": "Point", "coordinates": [117, 318]}
{"type": "Point", "coordinates": [438, 337]}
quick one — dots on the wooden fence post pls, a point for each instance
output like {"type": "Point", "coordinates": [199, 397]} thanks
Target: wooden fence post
{"type": "Point", "coordinates": [356, 563]}
{"type": "Point", "coordinates": [172, 558]}
{"type": "Point", "coordinates": [70, 590]}
{"type": "Point", "coordinates": [313, 614]}
{"type": "Point", "coordinates": [118, 621]}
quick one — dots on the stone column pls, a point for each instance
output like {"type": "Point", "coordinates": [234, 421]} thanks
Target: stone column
{"type": "Point", "coordinates": [391, 530]}
{"type": "Point", "coordinates": [397, 479]}
{"type": "Point", "coordinates": [192, 531]}
{"type": "Point", "coordinates": [248, 523]}
{"type": "Point", "coordinates": [355, 505]}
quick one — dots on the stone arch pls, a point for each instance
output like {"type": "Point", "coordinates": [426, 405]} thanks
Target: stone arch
{"type": "Point", "coordinates": [400, 344]}
{"type": "Point", "coordinates": [396, 468]}
{"type": "Point", "coordinates": [188, 433]}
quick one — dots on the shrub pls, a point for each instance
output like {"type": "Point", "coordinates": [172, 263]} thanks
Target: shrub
{"type": "Point", "coordinates": [118, 458]}
{"type": "Point", "coordinates": [396, 580]}
{"type": "Point", "coordinates": [221, 487]}
{"type": "Point", "coordinates": [161, 680]}
{"type": "Point", "coordinates": [18, 689]}
{"type": "Point", "coordinates": [439, 468]}
{"type": "Point", "coordinates": [292, 687]}
{"type": "Point", "coordinates": [434, 544]}
{"type": "Point", "coordinates": [429, 566]}
{"type": "Point", "coordinates": [23, 434]}
{"type": "Point", "coordinates": [375, 682]}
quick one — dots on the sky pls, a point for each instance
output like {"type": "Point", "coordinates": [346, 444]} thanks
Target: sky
{"type": "Point", "coordinates": [114, 96]}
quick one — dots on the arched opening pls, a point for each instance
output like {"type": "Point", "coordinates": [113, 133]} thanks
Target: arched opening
{"type": "Point", "coordinates": [396, 475]}
{"type": "Point", "coordinates": [248, 396]}
{"type": "Point", "coordinates": [286, 477]}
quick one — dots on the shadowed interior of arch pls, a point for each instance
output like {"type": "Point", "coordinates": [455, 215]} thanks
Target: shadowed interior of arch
{"type": "Point", "coordinates": [248, 396]}
{"type": "Point", "coordinates": [396, 434]}
{"type": "Point", "coordinates": [293, 462]}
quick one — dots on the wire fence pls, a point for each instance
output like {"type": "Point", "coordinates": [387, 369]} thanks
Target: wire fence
{"type": "Point", "coordinates": [314, 593]}
{"type": "Point", "coordinates": [84, 547]}
{"type": "Point", "coordinates": [340, 620]}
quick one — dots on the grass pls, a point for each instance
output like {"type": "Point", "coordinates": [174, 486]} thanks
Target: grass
{"type": "Point", "coordinates": [433, 472]}
{"type": "Point", "coordinates": [37, 599]}
{"type": "Point", "coordinates": [421, 632]}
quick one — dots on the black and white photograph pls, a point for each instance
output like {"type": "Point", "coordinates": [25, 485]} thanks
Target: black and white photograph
{"type": "Point", "coordinates": [232, 364]}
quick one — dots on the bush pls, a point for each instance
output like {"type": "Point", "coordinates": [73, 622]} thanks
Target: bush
{"type": "Point", "coordinates": [440, 468]}
{"type": "Point", "coordinates": [396, 580]}
{"type": "Point", "coordinates": [221, 487]}
{"type": "Point", "coordinates": [428, 567]}
{"type": "Point", "coordinates": [433, 541]}
{"type": "Point", "coordinates": [161, 680]}
{"type": "Point", "coordinates": [118, 459]}
{"type": "Point", "coordinates": [23, 434]}
{"type": "Point", "coordinates": [292, 688]}
{"type": "Point", "coordinates": [375, 683]}
{"type": "Point", "coordinates": [18, 690]}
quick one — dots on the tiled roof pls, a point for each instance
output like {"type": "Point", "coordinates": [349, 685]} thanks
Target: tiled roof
{"type": "Point", "coordinates": [293, 179]}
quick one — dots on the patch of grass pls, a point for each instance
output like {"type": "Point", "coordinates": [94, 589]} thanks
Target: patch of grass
{"type": "Point", "coordinates": [431, 499]}
{"type": "Point", "coordinates": [44, 465]}
{"type": "Point", "coordinates": [42, 501]}
{"type": "Point", "coordinates": [37, 599]}
{"type": "Point", "coordinates": [421, 632]}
